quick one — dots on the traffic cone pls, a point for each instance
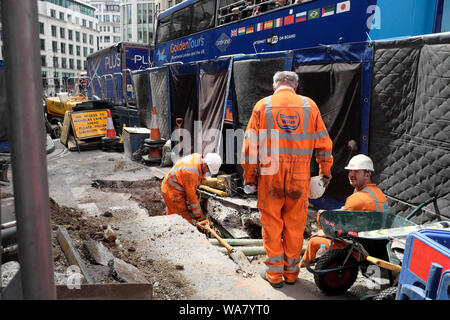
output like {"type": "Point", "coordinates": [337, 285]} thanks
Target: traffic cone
{"type": "Point", "coordinates": [154, 143]}
{"type": "Point", "coordinates": [110, 132]}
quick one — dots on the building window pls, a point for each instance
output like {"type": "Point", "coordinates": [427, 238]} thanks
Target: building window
{"type": "Point", "coordinates": [41, 28]}
{"type": "Point", "coordinates": [83, 22]}
{"type": "Point", "coordinates": [61, 16]}
{"type": "Point", "coordinates": [63, 63]}
{"type": "Point", "coordinates": [90, 24]}
{"type": "Point", "coordinates": [107, 39]}
{"type": "Point", "coordinates": [69, 17]}
{"type": "Point", "coordinates": [91, 39]}
{"type": "Point", "coordinates": [70, 48]}
{"type": "Point", "coordinates": [63, 47]}
{"type": "Point", "coordinates": [62, 33]}
{"type": "Point", "coordinates": [71, 63]}
{"type": "Point", "coordinates": [116, 18]}
{"type": "Point", "coordinates": [79, 64]}
{"type": "Point", "coordinates": [84, 37]}
{"type": "Point", "coordinates": [77, 36]}
{"type": "Point", "coordinates": [70, 34]}
{"type": "Point", "coordinates": [55, 62]}
{"type": "Point", "coordinates": [54, 31]}
{"type": "Point", "coordinates": [106, 18]}
{"type": "Point", "coordinates": [52, 13]}
{"type": "Point", "coordinates": [43, 61]}
{"type": "Point", "coordinates": [116, 39]}
{"type": "Point", "coordinates": [85, 51]}
{"type": "Point", "coordinates": [54, 46]}
{"type": "Point", "coordinates": [116, 29]}
{"type": "Point", "coordinates": [42, 44]}
{"type": "Point", "coordinates": [78, 50]}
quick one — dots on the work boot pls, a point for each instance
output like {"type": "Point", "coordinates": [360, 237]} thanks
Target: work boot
{"type": "Point", "coordinates": [277, 285]}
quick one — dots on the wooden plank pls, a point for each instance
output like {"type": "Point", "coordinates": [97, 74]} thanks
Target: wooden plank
{"type": "Point", "coordinates": [65, 131]}
{"type": "Point", "coordinates": [72, 253]}
{"type": "Point", "coordinates": [111, 291]}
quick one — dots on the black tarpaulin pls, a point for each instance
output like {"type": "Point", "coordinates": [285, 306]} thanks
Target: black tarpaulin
{"type": "Point", "coordinates": [160, 100]}
{"type": "Point", "coordinates": [253, 81]}
{"type": "Point", "coordinates": [336, 89]}
{"type": "Point", "coordinates": [213, 87]}
{"type": "Point", "coordinates": [141, 82]}
{"type": "Point", "coordinates": [183, 105]}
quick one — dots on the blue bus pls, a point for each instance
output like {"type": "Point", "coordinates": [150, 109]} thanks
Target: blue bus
{"type": "Point", "coordinates": [196, 30]}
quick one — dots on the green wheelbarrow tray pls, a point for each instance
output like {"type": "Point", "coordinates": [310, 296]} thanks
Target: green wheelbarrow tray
{"type": "Point", "coordinates": [371, 231]}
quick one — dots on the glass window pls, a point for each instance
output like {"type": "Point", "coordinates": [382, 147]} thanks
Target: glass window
{"type": "Point", "coordinates": [62, 33]}
{"type": "Point", "coordinates": [41, 28]}
{"type": "Point", "coordinates": [163, 33]}
{"type": "Point", "coordinates": [52, 13]}
{"type": "Point", "coordinates": [116, 18]}
{"type": "Point", "coordinates": [54, 46]}
{"type": "Point", "coordinates": [63, 63]}
{"type": "Point", "coordinates": [43, 61]}
{"type": "Point", "coordinates": [84, 37]}
{"type": "Point", "coordinates": [70, 48]}
{"type": "Point", "coordinates": [77, 36]}
{"type": "Point", "coordinates": [55, 62]}
{"type": "Point", "coordinates": [79, 64]}
{"type": "Point", "coordinates": [90, 24]}
{"type": "Point", "coordinates": [63, 47]}
{"type": "Point", "coordinates": [181, 25]}
{"type": "Point", "coordinates": [91, 39]}
{"type": "Point", "coordinates": [83, 22]}
{"type": "Point", "coordinates": [61, 16]}
{"type": "Point", "coordinates": [70, 34]}
{"type": "Point", "coordinates": [203, 15]}
{"type": "Point", "coordinates": [71, 63]}
{"type": "Point", "coordinates": [54, 31]}
{"type": "Point", "coordinates": [78, 50]}
{"type": "Point", "coordinates": [106, 18]}
{"type": "Point", "coordinates": [85, 51]}
{"type": "Point", "coordinates": [42, 44]}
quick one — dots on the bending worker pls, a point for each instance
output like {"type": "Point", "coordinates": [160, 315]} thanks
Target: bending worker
{"type": "Point", "coordinates": [366, 197]}
{"type": "Point", "coordinates": [179, 186]}
{"type": "Point", "coordinates": [283, 131]}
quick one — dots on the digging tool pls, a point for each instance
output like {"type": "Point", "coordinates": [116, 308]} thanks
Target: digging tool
{"type": "Point", "coordinates": [179, 122]}
{"type": "Point", "coordinates": [237, 255]}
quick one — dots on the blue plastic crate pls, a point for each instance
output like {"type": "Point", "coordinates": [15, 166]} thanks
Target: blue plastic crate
{"type": "Point", "coordinates": [427, 254]}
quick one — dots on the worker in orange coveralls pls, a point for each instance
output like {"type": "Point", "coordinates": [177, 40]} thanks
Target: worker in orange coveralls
{"type": "Point", "coordinates": [281, 136]}
{"type": "Point", "coordinates": [366, 197]}
{"type": "Point", "coordinates": [180, 184]}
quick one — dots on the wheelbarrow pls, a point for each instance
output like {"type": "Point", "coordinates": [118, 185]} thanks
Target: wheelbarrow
{"type": "Point", "coordinates": [363, 238]}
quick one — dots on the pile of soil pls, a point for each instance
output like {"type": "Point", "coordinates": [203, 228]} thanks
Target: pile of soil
{"type": "Point", "coordinates": [168, 282]}
{"type": "Point", "coordinates": [145, 192]}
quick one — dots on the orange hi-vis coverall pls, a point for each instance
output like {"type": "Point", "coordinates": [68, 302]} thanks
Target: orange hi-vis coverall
{"type": "Point", "coordinates": [280, 139]}
{"type": "Point", "coordinates": [368, 198]}
{"type": "Point", "coordinates": [180, 185]}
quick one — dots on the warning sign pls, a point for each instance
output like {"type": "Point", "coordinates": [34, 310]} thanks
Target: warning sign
{"type": "Point", "coordinates": [89, 124]}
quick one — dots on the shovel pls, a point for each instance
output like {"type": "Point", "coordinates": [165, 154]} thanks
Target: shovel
{"type": "Point", "coordinates": [238, 256]}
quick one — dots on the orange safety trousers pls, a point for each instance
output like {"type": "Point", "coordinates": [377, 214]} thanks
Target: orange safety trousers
{"type": "Point", "coordinates": [179, 188]}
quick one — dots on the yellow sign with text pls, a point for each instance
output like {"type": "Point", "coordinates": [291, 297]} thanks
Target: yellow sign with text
{"type": "Point", "coordinates": [89, 124]}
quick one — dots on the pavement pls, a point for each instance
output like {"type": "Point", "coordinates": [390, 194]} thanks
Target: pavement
{"type": "Point", "coordinates": [212, 274]}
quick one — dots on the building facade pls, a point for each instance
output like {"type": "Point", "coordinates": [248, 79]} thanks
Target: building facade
{"type": "Point", "coordinates": [137, 21]}
{"type": "Point", "coordinates": [161, 5]}
{"type": "Point", "coordinates": [68, 34]}
{"type": "Point", "coordinates": [108, 16]}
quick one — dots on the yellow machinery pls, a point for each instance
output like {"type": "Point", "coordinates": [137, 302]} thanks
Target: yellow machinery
{"type": "Point", "coordinates": [57, 108]}
{"type": "Point", "coordinates": [224, 185]}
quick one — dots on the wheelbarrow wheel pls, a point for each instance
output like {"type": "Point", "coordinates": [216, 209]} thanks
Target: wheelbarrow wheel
{"type": "Point", "coordinates": [387, 294]}
{"type": "Point", "coordinates": [335, 282]}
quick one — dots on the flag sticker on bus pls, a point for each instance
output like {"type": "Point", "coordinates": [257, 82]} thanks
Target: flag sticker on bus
{"type": "Point", "coordinates": [233, 33]}
{"type": "Point", "coordinates": [278, 22]}
{"type": "Point", "coordinates": [327, 11]}
{"type": "Point", "coordinates": [343, 7]}
{"type": "Point", "coordinates": [313, 14]}
{"type": "Point", "coordinates": [241, 31]}
{"type": "Point", "coordinates": [288, 19]}
{"type": "Point", "coordinates": [249, 30]}
{"type": "Point", "coordinates": [259, 27]}
{"type": "Point", "coordinates": [300, 17]}
{"type": "Point", "coordinates": [268, 24]}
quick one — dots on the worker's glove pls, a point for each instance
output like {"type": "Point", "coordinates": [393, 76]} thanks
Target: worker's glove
{"type": "Point", "coordinates": [250, 188]}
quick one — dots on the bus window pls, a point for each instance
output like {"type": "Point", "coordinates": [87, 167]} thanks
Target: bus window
{"type": "Point", "coordinates": [181, 23]}
{"type": "Point", "coordinates": [163, 33]}
{"type": "Point", "coordinates": [203, 15]}
{"type": "Point", "coordinates": [445, 27]}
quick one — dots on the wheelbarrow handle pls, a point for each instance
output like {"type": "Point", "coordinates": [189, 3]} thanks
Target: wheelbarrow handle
{"type": "Point", "coordinates": [324, 271]}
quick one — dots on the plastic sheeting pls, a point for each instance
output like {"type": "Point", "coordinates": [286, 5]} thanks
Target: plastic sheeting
{"type": "Point", "coordinates": [183, 101]}
{"type": "Point", "coordinates": [141, 82]}
{"type": "Point", "coordinates": [160, 100]}
{"type": "Point", "coordinates": [410, 123]}
{"type": "Point", "coordinates": [253, 81]}
{"type": "Point", "coordinates": [336, 89]}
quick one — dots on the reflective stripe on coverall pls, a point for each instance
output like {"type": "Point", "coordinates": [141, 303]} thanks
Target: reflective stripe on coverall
{"type": "Point", "coordinates": [180, 185]}
{"type": "Point", "coordinates": [369, 198]}
{"type": "Point", "coordinates": [282, 133]}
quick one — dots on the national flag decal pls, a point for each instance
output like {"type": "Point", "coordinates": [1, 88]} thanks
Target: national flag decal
{"type": "Point", "coordinates": [278, 22]}
{"type": "Point", "coordinates": [259, 26]}
{"type": "Point", "coordinates": [241, 31]}
{"type": "Point", "coordinates": [234, 32]}
{"type": "Point", "coordinates": [313, 14]}
{"type": "Point", "coordinates": [343, 7]}
{"type": "Point", "coordinates": [327, 11]}
{"type": "Point", "coordinates": [300, 17]}
{"type": "Point", "coordinates": [249, 29]}
{"type": "Point", "coordinates": [288, 19]}
{"type": "Point", "coordinates": [268, 24]}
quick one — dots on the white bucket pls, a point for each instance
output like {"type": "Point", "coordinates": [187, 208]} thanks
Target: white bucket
{"type": "Point", "coordinates": [63, 96]}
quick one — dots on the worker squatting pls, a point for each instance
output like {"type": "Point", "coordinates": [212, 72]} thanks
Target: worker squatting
{"type": "Point", "coordinates": [228, 309]}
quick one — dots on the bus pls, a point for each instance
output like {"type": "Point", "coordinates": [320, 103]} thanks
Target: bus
{"type": "Point", "coordinates": [196, 30]}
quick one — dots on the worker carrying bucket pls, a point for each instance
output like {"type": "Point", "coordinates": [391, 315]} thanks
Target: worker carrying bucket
{"type": "Point", "coordinates": [179, 186]}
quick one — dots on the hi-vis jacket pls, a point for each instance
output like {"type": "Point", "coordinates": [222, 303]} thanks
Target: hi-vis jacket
{"type": "Point", "coordinates": [369, 198]}
{"type": "Point", "coordinates": [183, 179]}
{"type": "Point", "coordinates": [287, 126]}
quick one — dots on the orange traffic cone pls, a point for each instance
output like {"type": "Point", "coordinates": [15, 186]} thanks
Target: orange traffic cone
{"type": "Point", "coordinates": [154, 143]}
{"type": "Point", "coordinates": [110, 132]}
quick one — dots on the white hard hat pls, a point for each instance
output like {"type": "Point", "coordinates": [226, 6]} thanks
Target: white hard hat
{"type": "Point", "coordinates": [316, 188]}
{"type": "Point", "coordinates": [214, 161]}
{"type": "Point", "coordinates": [360, 162]}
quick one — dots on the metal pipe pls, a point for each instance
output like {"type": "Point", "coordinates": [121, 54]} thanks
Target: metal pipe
{"type": "Point", "coordinates": [239, 242]}
{"type": "Point", "coordinates": [28, 143]}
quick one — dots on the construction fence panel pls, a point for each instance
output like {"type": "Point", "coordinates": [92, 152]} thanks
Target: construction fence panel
{"type": "Point", "coordinates": [410, 123]}
{"type": "Point", "coordinates": [141, 80]}
{"type": "Point", "coordinates": [160, 99]}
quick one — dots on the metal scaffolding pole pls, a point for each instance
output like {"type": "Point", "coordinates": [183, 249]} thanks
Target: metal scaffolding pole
{"type": "Point", "coordinates": [28, 143]}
